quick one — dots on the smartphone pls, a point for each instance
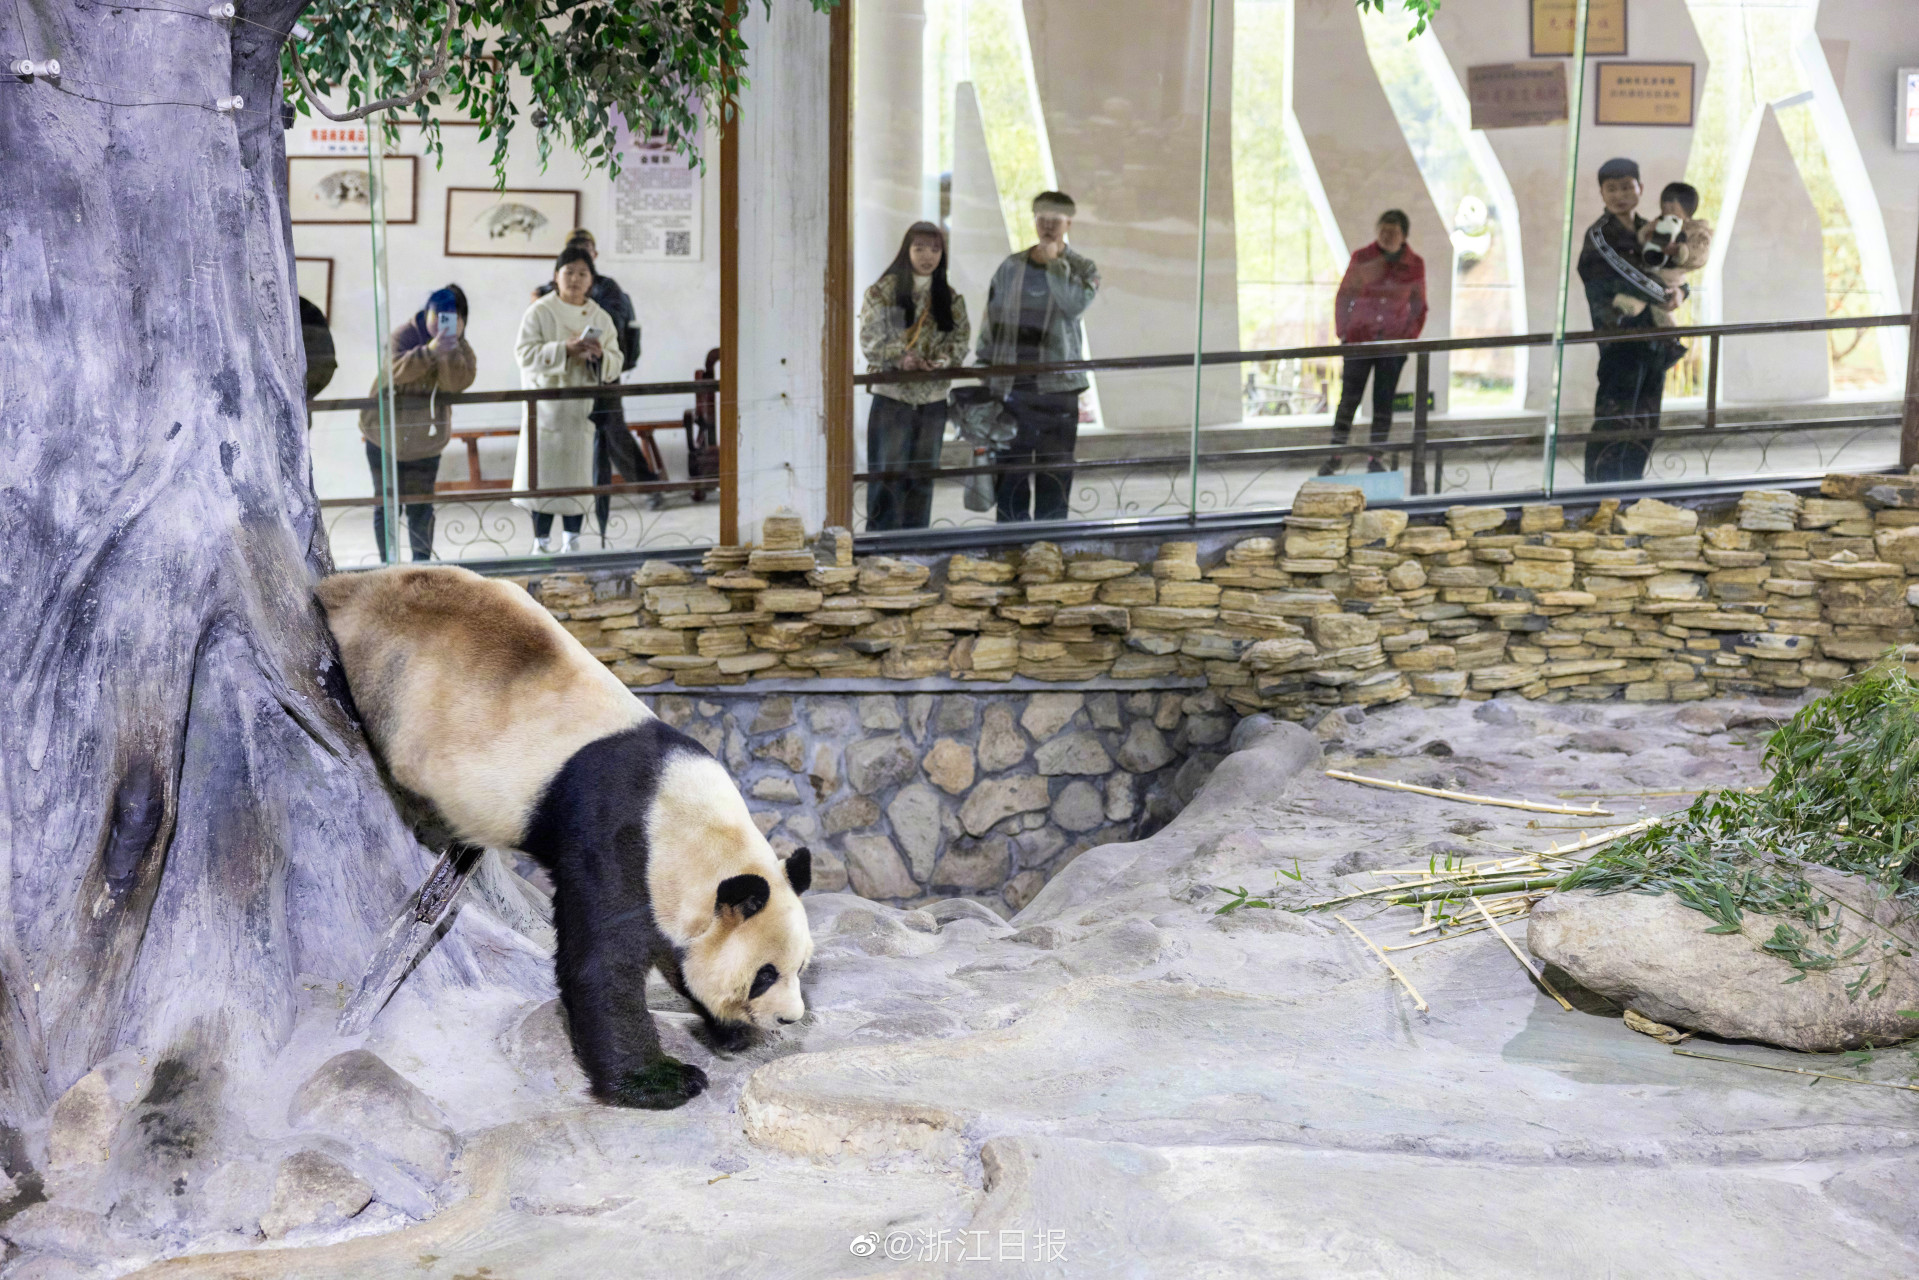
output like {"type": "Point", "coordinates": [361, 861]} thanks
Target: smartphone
{"type": "Point", "coordinates": [590, 334]}
{"type": "Point", "coordinates": [450, 323]}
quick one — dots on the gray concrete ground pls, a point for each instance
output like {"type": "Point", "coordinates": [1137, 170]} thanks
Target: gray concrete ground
{"type": "Point", "coordinates": [1121, 1082]}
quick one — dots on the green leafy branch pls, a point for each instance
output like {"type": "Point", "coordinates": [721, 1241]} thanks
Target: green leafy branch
{"type": "Point", "coordinates": [586, 65]}
{"type": "Point", "coordinates": [1424, 11]}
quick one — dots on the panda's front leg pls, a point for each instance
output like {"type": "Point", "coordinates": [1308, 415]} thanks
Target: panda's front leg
{"type": "Point", "coordinates": [602, 964]}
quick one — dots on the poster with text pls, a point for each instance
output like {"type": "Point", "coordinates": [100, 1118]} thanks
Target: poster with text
{"type": "Point", "coordinates": [1642, 93]}
{"type": "Point", "coordinates": [1908, 135]}
{"type": "Point", "coordinates": [657, 202]}
{"type": "Point", "coordinates": [1552, 28]}
{"type": "Point", "coordinates": [1514, 95]}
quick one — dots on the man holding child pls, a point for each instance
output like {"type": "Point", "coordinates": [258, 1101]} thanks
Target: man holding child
{"type": "Point", "coordinates": [1629, 288]}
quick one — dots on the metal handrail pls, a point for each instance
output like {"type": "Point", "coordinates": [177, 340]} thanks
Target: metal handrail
{"type": "Point", "coordinates": [1420, 346]}
{"type": "Point", "coordinates": [527, 396]}
{"type": "Point", "coordinates": [507, 495]}
{"type": "Point", "coordinates": [1421, 349]}
{"type": "Point", "coordinates": [1174, 361]}
{"type": "Point", "coordinates": [1282, 453]}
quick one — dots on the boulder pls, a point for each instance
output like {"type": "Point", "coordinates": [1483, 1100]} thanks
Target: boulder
{"type": "Point", "coordinates": [81, 1128]}
{"type": "Point", "coordinates": [1651, 953]}
{"type": "Point", "coordinates": [539, 1047]}
{"type": "Point", "coordinates": [313, 1190]}
{"type": "Point", "coordinates": [358, 1098]}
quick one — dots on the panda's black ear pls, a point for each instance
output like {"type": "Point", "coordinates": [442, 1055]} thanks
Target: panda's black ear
{"type": "Point", "coordinates": [799, 870]}
{"type": "Point", "coordinates": [746, 895]}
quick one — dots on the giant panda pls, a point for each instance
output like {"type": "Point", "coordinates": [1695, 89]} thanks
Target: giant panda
{"type": "Point", "coordinates": [480, 703]}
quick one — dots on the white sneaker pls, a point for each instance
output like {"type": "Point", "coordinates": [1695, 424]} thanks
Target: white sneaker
{"type": "Point", "coordinates": [544, 545]}
{"type": "Point", "coordinates": [569, 543]}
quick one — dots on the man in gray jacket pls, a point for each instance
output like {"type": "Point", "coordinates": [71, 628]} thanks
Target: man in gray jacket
{"type": "Point", "coordinates": [1033, 310]}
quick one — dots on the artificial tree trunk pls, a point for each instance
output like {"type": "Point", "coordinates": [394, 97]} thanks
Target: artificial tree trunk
{"type": "Point", "coordinates": [188, 816]}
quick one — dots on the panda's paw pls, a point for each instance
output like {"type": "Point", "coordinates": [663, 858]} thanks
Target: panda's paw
{"type": "Point", "coordinates": [660, 1085]}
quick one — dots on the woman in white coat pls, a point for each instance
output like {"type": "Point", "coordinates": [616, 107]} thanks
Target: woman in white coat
{"type": "Point", "coordinates": [566, 340]}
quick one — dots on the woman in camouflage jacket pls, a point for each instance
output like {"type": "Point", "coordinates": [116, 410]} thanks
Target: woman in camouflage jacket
{"type": "Point", "coordinates": [910, 319]}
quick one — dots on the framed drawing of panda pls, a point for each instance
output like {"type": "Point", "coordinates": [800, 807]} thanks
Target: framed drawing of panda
{"type": "Point", "coordinates": [331, 189]}
{"type": "Point", "coordinates": [484, 223]}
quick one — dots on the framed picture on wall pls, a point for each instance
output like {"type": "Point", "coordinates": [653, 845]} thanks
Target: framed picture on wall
{"type": "Point", "coordinates": [1906, 137]}
{"type": "Point", "coordinates": [316, 282]}
{"type": "Point", "coordinates": [1552, 28]}
{"type": "Point", "coordinates": [484, 223]}
{"type": "Point", "coordinates": [323, 189]}
{"type": "Point", "coordinates": [1644, 93]}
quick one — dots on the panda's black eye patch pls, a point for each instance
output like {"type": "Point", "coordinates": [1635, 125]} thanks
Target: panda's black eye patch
{"type": "Point", "coordinates": [763, 981]}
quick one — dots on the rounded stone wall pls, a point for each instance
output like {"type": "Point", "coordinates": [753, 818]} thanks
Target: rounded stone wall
{"type": "Point", "coordinates": [907, 798]}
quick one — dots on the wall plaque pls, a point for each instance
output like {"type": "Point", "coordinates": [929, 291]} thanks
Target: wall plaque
{"type": "Point", "coordinates": [1552, 28]}
{"type": "Point", "coordinates": [1644, 93]}
{"type": "Point", "coordinates": [1512, 95]}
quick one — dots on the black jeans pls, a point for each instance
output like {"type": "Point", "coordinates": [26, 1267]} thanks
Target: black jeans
{"type": "Point", "coordinates": [1632, 390]}
{"type": "Point", "coordinates": [902, 437]}
{"type": "Point", "coordinates": [614, 447]}
{"type": "Point", "coordinates": [543, 523]}
{"type": "Point", "coordinates": [1048, 433]}
{"type": "Point", "coordinates": [1384, 371]}
{"type": "Point", "coordinates": [416, 477]}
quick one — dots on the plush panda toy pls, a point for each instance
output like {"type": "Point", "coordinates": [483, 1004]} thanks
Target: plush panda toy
{"type": "Point", "coordinates": [479, 703]}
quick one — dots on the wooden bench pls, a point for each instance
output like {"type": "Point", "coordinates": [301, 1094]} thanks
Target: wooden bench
{"type": "Point", "coordinates": [472, 436]}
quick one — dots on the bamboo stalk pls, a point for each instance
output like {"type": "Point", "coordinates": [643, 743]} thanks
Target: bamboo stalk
{"type": "Point", "coordinates": [1487, 867]}
{"type": "Point", "coordinates": [1797, 1071]}
{"type": "Point", "coordinates": [1419, 1001]}
{"type": "Point", "coordinates": [1531, 806]}
{"type": "Point", "coordinates": [1384, 888]}
{"type": "Point", "coordinates": [1555, 849]}
{"type": "Point", "coordinates": [1519, 956]}
{"type": "Point", "coordinates": [1457, 933]}
{"type": "Point", "coordinates": [1474, 890]}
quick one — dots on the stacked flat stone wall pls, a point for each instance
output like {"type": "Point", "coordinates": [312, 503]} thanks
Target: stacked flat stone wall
{"type": "Point", "coordinates": [784, 658]}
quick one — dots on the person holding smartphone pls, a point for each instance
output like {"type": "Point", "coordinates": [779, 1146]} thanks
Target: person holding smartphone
{"type": "Point", "coordinates": [614, 447]}
{"type": "Point", "coordinates": [430, 355]}
{"type": "Point", "coordinates": [566, 340]}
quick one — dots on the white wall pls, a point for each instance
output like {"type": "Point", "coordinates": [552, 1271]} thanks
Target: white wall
{"type": "Point", "coordinates": [678, 303]}
{"type": "Point", "coordinates": [1880, 36]}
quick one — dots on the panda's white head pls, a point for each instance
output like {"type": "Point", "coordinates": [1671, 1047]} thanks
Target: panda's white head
{"type": "Point", "coordinates": [728, 904]}
{"type": "Point", "coordinates": [744, 970]}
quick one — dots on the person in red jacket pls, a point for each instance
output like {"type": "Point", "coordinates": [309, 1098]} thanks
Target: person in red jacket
{"type": "Point", "coordinates": [1382, 298]}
